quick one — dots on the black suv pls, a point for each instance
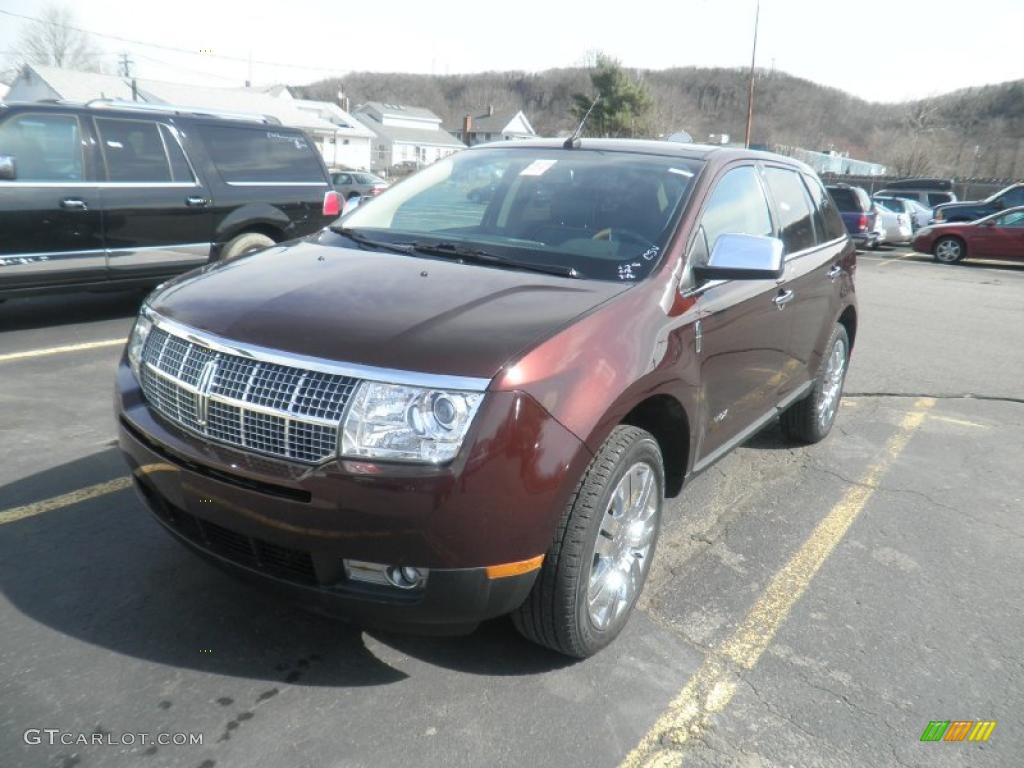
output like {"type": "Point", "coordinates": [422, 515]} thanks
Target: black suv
{"type": "Point", "coordinates": [118, 193]}
{"type": "Point", "coordinates": [972, 210]}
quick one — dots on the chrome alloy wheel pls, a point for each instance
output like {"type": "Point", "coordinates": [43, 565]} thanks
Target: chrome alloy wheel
{"type": "Point", "coordinates": [832, 384]}
{"type": "Point", "coordinates": [623, 545]}
{"type": "Point", "coordinates": [948, 251]}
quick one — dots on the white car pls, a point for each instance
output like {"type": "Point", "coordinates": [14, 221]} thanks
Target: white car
{"type": "Point", "coordinates": [920, 216]}
{"type": "Point", "coordinates": [896, 227]}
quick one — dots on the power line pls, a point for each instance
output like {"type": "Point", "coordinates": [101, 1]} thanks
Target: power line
{"type": "Point", "coordinates": [221, 56]}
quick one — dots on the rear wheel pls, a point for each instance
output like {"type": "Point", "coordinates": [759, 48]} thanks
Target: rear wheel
{"type": "Point", "coordinates": [810, 419]}
{"type": "Point", "coordinates": [601, 555]}
{"type": "Point", "coordinates": [247, 242]}
{"type": "Point", "coordinates": [949, 250]}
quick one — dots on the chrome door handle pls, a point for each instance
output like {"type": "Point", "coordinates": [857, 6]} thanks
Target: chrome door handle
{"type": "Point", "coordinates": [833, 273]}
{"type": "Point", "coordinates": [73, 204]}
{"type": "Point", "coordinates": [196, 202]}
{"type": "Point", "coordinates": [783, 299]}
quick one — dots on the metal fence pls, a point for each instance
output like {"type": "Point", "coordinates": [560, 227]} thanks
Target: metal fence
{"type": "Point", "coordinates": [965, 189]}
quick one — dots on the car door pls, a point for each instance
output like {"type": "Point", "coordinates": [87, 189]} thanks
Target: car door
{"type": "Point", "coordinates": [999, 238]}
{"type": "Point", "coordinates": [50, 212]}
{"type": "Point", "coordinates": [157, 216]}
{"type": "Point", "coordinates": [742, 332]}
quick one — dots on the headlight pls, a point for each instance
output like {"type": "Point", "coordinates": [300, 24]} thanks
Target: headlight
{"type": "Point", "coordinates": [136, 342]}
{"type": "Point", "coordinates": [391, 421]}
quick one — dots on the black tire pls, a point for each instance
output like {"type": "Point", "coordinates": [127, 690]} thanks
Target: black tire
{"type": "Point", "coordinates": [801, 422]}
{"type": "Point", "coordinates": [247, 242]}
{"type": "Point", "coordinates": [556, 614]}
{"type": "Point", "coordinates": [953, 250]}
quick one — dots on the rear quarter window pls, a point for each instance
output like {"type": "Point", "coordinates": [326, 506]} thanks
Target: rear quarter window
{"type": "Point", "coordinates": [263, 154]}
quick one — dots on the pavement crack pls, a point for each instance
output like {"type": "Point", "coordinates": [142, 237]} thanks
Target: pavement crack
{"type": "Point", "coordinates": [949, 396]}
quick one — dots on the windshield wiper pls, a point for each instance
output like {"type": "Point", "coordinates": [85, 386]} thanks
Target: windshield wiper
{"type": "Point", "coordinates": [480, 256]}
{"type": "Point", "coordinates": [369, 242]}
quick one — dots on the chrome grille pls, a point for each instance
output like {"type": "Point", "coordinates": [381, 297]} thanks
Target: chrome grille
{"type": "Point", "coordinates": [263, 407]}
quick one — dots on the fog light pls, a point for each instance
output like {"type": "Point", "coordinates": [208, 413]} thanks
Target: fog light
{"type": "Point", "coordinates": [400, 576]}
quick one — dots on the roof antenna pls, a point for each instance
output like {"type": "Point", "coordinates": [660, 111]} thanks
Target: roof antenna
{"type": "Point", "coordinates": [573, 141]}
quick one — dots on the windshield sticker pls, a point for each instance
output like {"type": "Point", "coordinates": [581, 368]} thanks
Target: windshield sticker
{"type": "Point", "coordinates": [626, 271]}
{"type": "Point", "coordinates": [651, 253]}
{"type": "Point", "coordinates": [537, 167]}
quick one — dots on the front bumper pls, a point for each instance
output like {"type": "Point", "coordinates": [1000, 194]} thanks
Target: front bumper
{"type": "Point", "coordinates": [289, 527]}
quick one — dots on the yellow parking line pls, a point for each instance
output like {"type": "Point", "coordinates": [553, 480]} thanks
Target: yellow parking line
{"type": "Point", "coordinates": [713, 685]}
{"type": "Point", "coordinates": [894, 259]}
{"type": "Point", "coordinates": [78, 496]}
{"type": "Point", "coordinates": [958, 422]}
{"type": "Point", "coordinates": [61, 350]}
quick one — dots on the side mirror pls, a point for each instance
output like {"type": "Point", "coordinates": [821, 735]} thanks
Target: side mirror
{"type": "Point", "coordinates": [743, 257]}
{"type": "Point", "coordinates": [8, 170]}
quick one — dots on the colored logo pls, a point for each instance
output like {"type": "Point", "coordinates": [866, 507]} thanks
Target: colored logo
{"type": "Point", "coordinates": [958, 730]}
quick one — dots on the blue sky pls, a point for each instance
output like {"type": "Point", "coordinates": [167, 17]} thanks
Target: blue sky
{"type": "Point", "coordinates": [883, 51]}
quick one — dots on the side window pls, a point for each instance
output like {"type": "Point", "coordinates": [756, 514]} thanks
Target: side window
{"type": "Point", "coordinates": [180, 170]}
{"type": "Point", "coordinates": [737, 206]}
{"type": "Point", "coordinates": [250, 154]}
{"type": "Point", "coordinates": [794, 208]}
{"type": "Point", "coordinates": [823, 202]}
{"type": "Point", "coordinates": [937, 198]}
{"type": "Point", "coordinates": [1014, 197]}
{"type": "Point", "coordinates": [133, 150]}
{"type": "Point", "coordinates": [45, 147]}
{"type": "Point", "coordinates": [1015, 220]}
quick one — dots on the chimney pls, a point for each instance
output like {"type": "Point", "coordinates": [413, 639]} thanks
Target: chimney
{"type": "Point", "coordinates": [490, 110]}
{"type": "Point", "coordinates": [467, 127]}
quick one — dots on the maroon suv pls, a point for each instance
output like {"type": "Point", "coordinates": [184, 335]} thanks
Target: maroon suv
{"type": "Point", "coordinates": [439, 411]}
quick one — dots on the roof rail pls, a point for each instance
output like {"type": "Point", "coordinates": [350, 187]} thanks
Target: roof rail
{"type": "Point", "coordinates": [180, 110]}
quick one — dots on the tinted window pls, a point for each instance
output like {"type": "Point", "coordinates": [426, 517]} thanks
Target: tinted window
{"type": "Point", "coordinates": [794, 208]}
{"type": "Point", "coordinates": [44, 147]}
{"type": "Point", "coordinates": [893, 205]}
{"type": "Point", "coordinates": [737, 206]}
{"type": "Point", "coordinates": [606, 214]}
{"type": "Point", "coordinates": [1014, 197]}
{"type": "Point", "coordinates": [938, 198]}
{"type": "Point", "coordinates": [850, 199]}
{"type": "Point", "coordinates": [180, 170]}
{"type": "Point", "coordinates": [831, 222]}
{"type": "Point", "coordinates": [261, 154]}
{"type": "Point", "coordinates": [133, 150]}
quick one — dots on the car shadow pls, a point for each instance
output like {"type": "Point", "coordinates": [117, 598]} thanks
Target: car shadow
{"type": "Point", "coordinates": [103, 572]}
{"type": "Point", "coordinates": [68, 309]}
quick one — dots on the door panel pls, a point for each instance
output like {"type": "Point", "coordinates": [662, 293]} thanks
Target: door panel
{"type": "Point", "coordinates": [50, 215]}
{"type": "Point", "coordinates": [743, 357]}
{"type": "Point", "coordinates": [157, 215]}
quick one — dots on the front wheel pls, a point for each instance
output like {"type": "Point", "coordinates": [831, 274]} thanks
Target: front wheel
{"type": "Point", "coordinates": [810, 420]}
{"type": "Point", "coordinates": [598, 563]}
{"type": "Point", "coordinates": [949, 250]}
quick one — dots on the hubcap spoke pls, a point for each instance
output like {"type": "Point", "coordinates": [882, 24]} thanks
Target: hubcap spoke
{"type": "Point", "coordinates": [623, 545]}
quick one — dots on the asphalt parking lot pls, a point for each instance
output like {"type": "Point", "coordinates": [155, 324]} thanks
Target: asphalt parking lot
{"type": "Point", "coordinates": [808, 606]}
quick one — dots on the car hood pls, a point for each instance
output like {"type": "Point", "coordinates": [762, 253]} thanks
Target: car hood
{"type": "Point", "coordinates": [315, 297]}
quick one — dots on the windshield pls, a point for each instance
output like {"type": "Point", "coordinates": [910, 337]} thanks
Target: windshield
{"type": "Point", "coordinates": [608, 215]}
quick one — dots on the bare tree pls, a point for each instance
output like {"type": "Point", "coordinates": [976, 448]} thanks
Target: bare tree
{"type": "Point", "coordinates": [55, 41]}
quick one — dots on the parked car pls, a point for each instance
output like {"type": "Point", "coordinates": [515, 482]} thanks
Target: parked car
{"type": "Point", "coordinates": [357, 184]}
{"type": "Point", "coordinates": [121, 194]}
{"type": "Point", "coordinates": [1004, 199]}
{"type": "Point", "coordinates": [426, 421]}
{"type": "Point", "coordinates": [998, 236]}
{"type": "Point", "coordinates": [918, 215]}
{"type": "Point", "coordinates": [927, 192]}
{"type": "Point", "coordinates": [858, 214]}
{"type": "Point", "coordinates": [896, 227]}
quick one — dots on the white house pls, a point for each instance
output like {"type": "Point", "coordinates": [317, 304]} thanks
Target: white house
{"type": "Point", "coordinates": [494, 127]}
{"type": "Point", "coordinates": [341, 139]}
{"type": "Point", "coordinates": [405, 135]}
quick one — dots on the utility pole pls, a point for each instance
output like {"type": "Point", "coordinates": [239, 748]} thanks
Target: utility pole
{"type": "Point", "coordinates": [126, 65]}
{"type": "Point", "coordinates": [750, 89]}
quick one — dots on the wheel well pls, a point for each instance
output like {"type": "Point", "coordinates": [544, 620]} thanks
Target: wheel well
{"type": "Point", "coordinates": [269, 230]}
{"type": "Point", "coordinates": [664, 417]}
{"type": "Point", "coordinates": [848, 319]}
